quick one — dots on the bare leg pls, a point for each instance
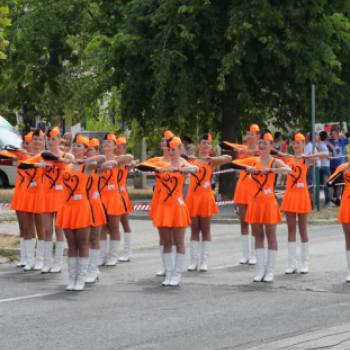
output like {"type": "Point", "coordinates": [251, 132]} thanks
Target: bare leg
{"type": "Point", "coordinates": [95, 237]}
{"type": "Point", "coordinates": [82, 239]}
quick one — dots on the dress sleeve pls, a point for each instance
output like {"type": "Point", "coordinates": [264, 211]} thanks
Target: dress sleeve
{"type": "Point", "coordinates": [335, 175]}
{"type": "Point", "coordinates": [241, 164]}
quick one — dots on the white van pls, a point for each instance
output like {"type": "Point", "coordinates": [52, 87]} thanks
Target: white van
{"type": "Point", "coordinates": [8, 168]}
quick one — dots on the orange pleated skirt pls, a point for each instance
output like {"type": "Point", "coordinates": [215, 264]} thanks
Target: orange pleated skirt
{"type": "Point", "coordinates": [16, 199]}
{"type": "Point", "coordinates": [171, 215]}
{"type": "Point", "coordinates": [99, 213]}
{"type": "Point", "coordinates": [74, 216]}
{"type": "Point", "coordinates": [242, 194]}
{"type": "Point", "coordinates": [296, 202]}
{"type": "Point", "coordinates": [127, 202]}
{"type": "Point", "coordinates": [154, 205]}
{"type": "Point", "coordinates": [52, 202]}
{"type": "Point", "coordinates": [32, 202]}
{"type": "Point", "coordinates": [113, 203]}
{"type": "Point", "coordinates": [201, 204]}
{"type": "Point", "coordinates": [263, 213]}
{"type": "Point", "coordinates": [344, 212]}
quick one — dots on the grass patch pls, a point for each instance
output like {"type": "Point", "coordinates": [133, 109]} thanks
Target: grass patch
{"type": "Point", "coordinates": [8, 218]}
{"type": "Point", "coordinates": [140, 193]}
{"type": "Point", "coordinates": [6, 195]}
{"type": "Point", "coordinates": [9, 255]}
{"type": "Point", "coordinates": [326, 213]}
{"type": "Point", "coordinates": [9, 241]}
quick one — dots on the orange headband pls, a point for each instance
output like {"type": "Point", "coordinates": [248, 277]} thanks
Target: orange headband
{"type": "Point", "coordinates": [82, 139]}
{"type": "Point", "coordinates": [254, 127]}
{"type": "Point", "coordinates": [54, 132]}
{"type": "Point", "coordinates": [267, 136]}
{"type": "Point", "coordinates": [175, 141]}
{"type": "Point", "coordinates": [121, 140]}
{"type": "Point", "coordinates": [210, 138]}
{"type": "Point", "coordinates": [94, 142]}
{"type": "Point", "coordinates": [299, 137]}
{"type": "Point", "coordinates": [29, 136]}
{"type": "Point", "coordinates": [168, 134]}
{"type": "Point", "coordinates": [111, 137]}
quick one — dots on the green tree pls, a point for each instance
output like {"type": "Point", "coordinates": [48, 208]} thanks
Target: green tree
{"type": "Point", "coordinates": [4, 22]}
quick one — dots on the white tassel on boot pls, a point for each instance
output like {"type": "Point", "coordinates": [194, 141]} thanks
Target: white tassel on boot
{"type": "Point", "coordinates": [30, 248]}
{"type": "Point", "coordinates": [270, 266]}
{"type": "Point", "coordinates": [48, 257]}
{"type": "Point", "coordinates": [292, 258]}
{"type": "Point", "coordinates": [194, 248]}
{"type": "Point", "coordinates": [113, 253]}
{"type": "Point", "coordinates": [23, 260]}
{"type": "Point", "coordinates": [58, 260]}
{"type": "Point", "coordinates": [205, 247]}
{"type": "Point", "coordinates": [40, 248]}
{"type": "Point", "coordinates": [73, 271]}
{"type": "Point", "coordinates": [304, 258]}
{"type": "Point", "coordinates": [178, 267]}
{"type": "Point", "coordinates": [93, 274]}
{"type": "Point", "coordinates": [260, 258]}
{"type": "Point", "coordinates": [103, 252]}
{"type": "Point", "coordinates": [168, 262]}
{"type": "Point", "coordinates": [252, 260]}
{"type": "Point", "coordinates": [246, 249]}
{"type": "Point", "coordinates": [127, 247]}
{"type": "Point", "coordinates": [83, 265]}
{"type": "Point", "coordinates": [162, 271]}
{"type": "Point", "coordinates": [348, 259]}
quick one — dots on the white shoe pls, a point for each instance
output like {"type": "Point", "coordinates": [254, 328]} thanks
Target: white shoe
{"type": "Point", "coordinates": [48, 257]}
{"type": "Point", "coordinates": [30, 247]}
{"type": "Point", "coordinates": [113, 253]}
{"type": "Point", "coordinates": [270, 266]}
{"type": "Point", "coordinates": [168, 262]}
{"type": "Point", "coordinates": [252, 260]}
{"type": "Point", "coordinates": [260, 257]}
{"type": "Point", "coordinates": [304, 258]}
{"type": "Point", "coordinates": [94, 273]}
{"type": "Point", "coordinates": [162, 271]}
{"type": "Point", "coordinates": [73, 271]}
{"type": "Point", "coordinates": [83, 264]}
{"type": "Point", "coordinates": [127, 247]}
{"type": "Point", "coordinates": [23, 260]}
{"type": "Point", "coordinates": [194, 248]}
{"type": "Point", "coordinates": [246, 249]}
{"type": "Point", "coordinates": [292, 256]}
{"type": "Point", "coordinates": [348, 259]}
{"type": "Point", "coordinates": [40, 248]}
{"type": "Point", "coordinates": [205, 247]}
{"type": "Point", "coordinates": [178, 267]}
{"type": "Point", "coordinates": [103, 252]}
{"type": "Point", "coordinates": [58, 260]}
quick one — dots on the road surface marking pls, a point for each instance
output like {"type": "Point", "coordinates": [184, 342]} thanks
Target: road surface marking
{"type": "Point", "coordinates": [27, 297]}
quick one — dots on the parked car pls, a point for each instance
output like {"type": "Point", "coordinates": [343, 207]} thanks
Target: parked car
{"type": "Point", "coordinates": [8, 168]}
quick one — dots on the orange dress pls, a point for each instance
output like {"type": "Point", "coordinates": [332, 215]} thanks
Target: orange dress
{"type": "Point", "coordinates": [122, 176]}
{"type": "Point", "coordinates": [171, 210]}
{"type": "Point", "coordinates": [33, 195]}
{"type": "Point", "coordinates": [21, 185]}
{"type": "Point", "coordinates": [110, 194]}
{"type": "Point", "coordinates": [200, 198]}
{"type": "Point", "coordinates": [75, 211]}
{"type": "Point", "coordinates": [263, 207]}
{"type": "Point", "coordinates": [99, 212]}
{"type": "Point", "coordinates": [297, 198]}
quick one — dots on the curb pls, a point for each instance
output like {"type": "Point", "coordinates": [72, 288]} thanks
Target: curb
{"type": "Point", "coordinates": [17, 251]}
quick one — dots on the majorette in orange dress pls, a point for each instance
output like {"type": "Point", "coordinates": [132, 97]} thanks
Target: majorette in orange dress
{"type": "Point", "coordinates": [297, 198]}
{"type": "Point", "coordinates": [98, 209]}
{"type": "Point", "coordinates": [110, 194]}
{"type": "Point", "coordinates": [171, 210]}
{"type": "Point", "coordinates": [200, 198]}
{"type": "Point", "coordinates": [122, 177]}
{"type": "Point", "coordinates": [75, 211]}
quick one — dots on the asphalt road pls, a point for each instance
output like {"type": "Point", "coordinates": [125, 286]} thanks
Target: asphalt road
{"type": "Point", "coordinates": [221, 309]}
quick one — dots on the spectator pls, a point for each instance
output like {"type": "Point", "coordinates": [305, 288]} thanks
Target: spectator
{"type": "Point", "coordinates": [191, 151]}
{"type": "Point", "coordinates": [347, 158]}
{"type": "Point", "coordinates": [337, 147]}
{"type": "Point", "coordinates": [68, 140]}
{"type": "Point", "coordinates": [284, 143]}
{"type": "Point", "coordinates": [185, 141]}
{"type": "Point", "coordinates": [276, 141]}
{"type": "Point", "coordinates": [325, 169]}
{"type": "Point", "coordinates": [42, 125]}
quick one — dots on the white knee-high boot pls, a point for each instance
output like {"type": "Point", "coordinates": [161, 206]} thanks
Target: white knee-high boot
{"type": "Point", "coordinates": [252, 260]}
{"type": "Point", "coordinates": [178, 267]}
{"type": "Point", "coordinates": [30, 248]}
{"type": "Point", "coordinates": [168, 262]}
{"type": "Point", "coordinates": [103, 252]}
{"type": "Point", "coordinates": [246, 249]}
{"type": "Point", "coordinates": [127, 247]}
{"type": "Point", "coordinates": [73, 271]}
{"type": "Point", "coordinates": [270, 266]}
{"type": "Point", "coordinates": [23, 260]}
{"type": "Point", "coordinates": [48, 257]}
{"type": "Point", "coordinates": [113, 253]}
{"type": "Point", "coordinates": [40, 248]}
{"type": "Point", "coordinates": [348, 259]}
{"type": "Point", "coordinates": [83, 265]}
{"type": "Point", "coordinates": [292, 258]}
{"type": "Point", "coordinates": [260, 257]}
{"type": "Point", "coordinates": [58, 260]}
{"type": "Point", "coordinates": [94, 273]}
{"type": "Point", "coordinates": [304, 258]}
{"type": "Point", "coordinates": [194, 248]}
{"type": "Point", "coordinates": [162, 271]}
{"type": "Point", "coordinates": [205, 248]}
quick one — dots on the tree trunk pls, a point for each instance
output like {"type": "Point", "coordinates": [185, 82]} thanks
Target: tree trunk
{"type": "Point", "coordinates": [28, 112]}
{"type": "Point", "coordinates": [227, 181]}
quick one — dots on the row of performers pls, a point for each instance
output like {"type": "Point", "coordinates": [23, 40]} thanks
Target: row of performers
{"type": "Point", "coordinates": [171, 214]}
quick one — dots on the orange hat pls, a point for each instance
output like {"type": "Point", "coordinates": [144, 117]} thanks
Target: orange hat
{"type": "Point", "coordinates": [93, 142]}
{"type": "Point", "coordinates": [81, 139]}
{"type": "Point", "coordinates": [111, 137]}
{"type": "Point", "coordinates": [206, 137]}
{"type": "Point", "coordinates": [28, 137]}
{"type": "Point", "coordinates": [173, 142]}
{"type": "Point", "coordinates": [53, 132]}
{"type": "Point", "coordinates": [298, 137]}
{"type": "Point", "coordinates": [121, 140]}
{"type": "Point", "coordinates": [253, 127]}
{"type": "Point", "coordinates": [266, 135]}
{"type": "Point", "coordinates": [38, 132]}
{"type": "Point", "coordinates": [168, 134]}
